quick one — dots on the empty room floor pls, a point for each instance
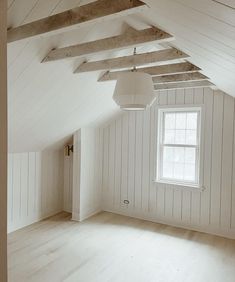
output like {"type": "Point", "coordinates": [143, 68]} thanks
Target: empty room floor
{"type": "Point", "coordinates": [109, 247]}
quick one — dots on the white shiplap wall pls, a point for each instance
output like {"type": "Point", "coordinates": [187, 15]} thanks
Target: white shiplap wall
{"type": "Point", "coordinates": [129, 155]}
{"type": "Point", "coordinates": [87, 176]}
{"type": "Point", "coordinates": [35, 183]}
{"type": "Point", "coordinates": [68, 183]}
{"type": "Point", "coordinates": [90, 181]}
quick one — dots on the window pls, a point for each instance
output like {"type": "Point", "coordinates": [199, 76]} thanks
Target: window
{"type": "Point", "coordinates": [179, 138]}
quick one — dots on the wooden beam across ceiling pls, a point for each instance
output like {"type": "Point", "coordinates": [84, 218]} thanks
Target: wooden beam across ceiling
{"type": "Point", "coordinates": [133, 60]}
{"type": "Point", "coordinates": [181, 85]}
{"type": "Point", "coordinates": [195, 76]}
{"type": "Point", "coordinates": [131, 38]}
{"type": "Point", "coordinates": [95, 11]}
{"type": "Point", "coordinates": [155, 71]}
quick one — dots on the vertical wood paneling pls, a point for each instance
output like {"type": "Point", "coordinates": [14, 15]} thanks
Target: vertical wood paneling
{"type": "Point", "coordinates": [196, 197]}
{"type": "Point", "coordinates": [89, 192]}
{"type": "Point", "coordinates": [118, 162]}
{"type": "Point", "coordinates": [16, 188]}
{"type": "Point", "coordinates": [111, 162]}
{"type": "Point", "coordinates": [68, 183]}
{"type": "Point", "coordinates": [38, 180]}
{"type": "Point", "coordinates": [131, 158]}
{"type": "Point", "coordinates": [169, 193]}
{"type": "Point", "coordinates": [124, 153]}
{"type": "Point", "coordinates": [24, 185]}
{"type": "Point", "coordinates": [26, 188]}
{"type": "Point", "coordinates": [187, 195]}
{"type": "Point", "coordinates": [207, 161]}
{"type": "Point", "coordinates": [105, 181]}
{"type": "Point", "coordinates": [138, 159]}
{"type": "Point", "coordinates": [217, 145]}
{"type": "Point", "coordinates": [10, 189]}
{"type": "Point", "coordinates": [31, 183]}
{"type": "Point", "coordinates": [146, 175]}
{"type": "Point", "coordinates": [227, 157]}
{"type": "Point", "coordinates": [213, 208]}
{"type": "Point", "coordinates": [161, 191]}
{"type": "Point", "coordinates": [177, 212]}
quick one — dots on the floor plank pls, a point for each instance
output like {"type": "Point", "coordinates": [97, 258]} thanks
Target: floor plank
{"type": "Point", "coordinates": [109, 247]}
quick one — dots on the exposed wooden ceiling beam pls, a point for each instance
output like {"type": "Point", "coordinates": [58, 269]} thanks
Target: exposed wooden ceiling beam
{"type": "Point", "coordinates": [179, 85]}
{"type": "Point", "coordinates": [195, 76]}
{"type": "Point", "coordinates": [93, 11]}
{"type": "Point", "coordinates": [155, 71]}
{"type": "Point", "coordinates": [133, 60]}
{"type": "Point", "coordinates": [132, 38]}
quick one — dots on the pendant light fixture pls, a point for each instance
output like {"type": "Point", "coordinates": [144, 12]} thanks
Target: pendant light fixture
{"type": "Point", "coordinates": [134, 90]}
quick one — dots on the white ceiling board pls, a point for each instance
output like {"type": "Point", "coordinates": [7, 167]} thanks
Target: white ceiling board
{"type": "Point", "coordinates": [228, 3]}
{"type": "Point", "coordinates": [208, 50]}
{"type": "Point", "coordinates": [48, 103]}
{"type": "Point", "coordinates": [212, 9]}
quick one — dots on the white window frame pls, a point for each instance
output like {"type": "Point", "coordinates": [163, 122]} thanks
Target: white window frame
{"type": "Point", "coordinates": [199, 146]}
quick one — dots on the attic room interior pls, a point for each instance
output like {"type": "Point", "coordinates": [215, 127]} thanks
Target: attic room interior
{"type": "Point", "coordinates": [117, 140]}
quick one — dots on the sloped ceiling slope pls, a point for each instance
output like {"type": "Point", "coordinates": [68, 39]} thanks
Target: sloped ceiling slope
{"type": "Point", "coordinates": [205, 30]}
{"type": "Point", "coordinates": [47, 102]}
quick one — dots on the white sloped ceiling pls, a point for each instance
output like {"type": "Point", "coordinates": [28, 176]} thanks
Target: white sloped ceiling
{"type": "Point", "coordinates": [47, 102]}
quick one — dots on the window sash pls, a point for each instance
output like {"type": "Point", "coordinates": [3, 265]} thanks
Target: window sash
{"type": "Point", "coordinates": [161, 145]}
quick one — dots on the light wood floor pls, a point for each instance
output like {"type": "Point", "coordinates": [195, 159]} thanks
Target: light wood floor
{"type": "Point", "coordinates": [114, 248]}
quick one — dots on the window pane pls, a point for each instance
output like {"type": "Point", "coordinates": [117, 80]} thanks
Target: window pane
{"type": "Point", "coordinates": [169, 137]}
{"type": "Point", "coordinates": [167, 171]}
{"type": "Point", "coordinates": [169, 120]}
{"type": "Point", "coordinates": [190, 172]}
{"type": "Point", "coordinates": [180, 120]}
{"type": "Point", "coordinates": [179, 136]}
{"type": "Point", "coordinates": [180, 128]}
{"type": "Point", "coordinates": [179, 155]}
{"type": "Point", "coordinates": [190, 155]}
{"type": "Point", "coordinates": [179, 171]}
{"type": "Point", "coordinates": [168, 154]}
{"type": "Point", "coordinates": [192, 120]}
{"type": "Point", "coordinates": [191, 137]}
{"type": "Point", "coordinates": [179, 163]}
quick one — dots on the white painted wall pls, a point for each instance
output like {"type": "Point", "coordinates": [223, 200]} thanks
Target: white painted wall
{"type": "Point", "coordinates": [68, 183]}
{"type": "Point", "coordinates": [76, 175]}
{"type": "Point", "coordinates": [35, 183]}
{"type": "Point", "coordinates": [129, 155]}
{"type": "Point", "coordinates": [3, 140]}
{"type": "Point", "coordinates": [90, 197]}
{"type": "Point", "coordinates": [87, 176]}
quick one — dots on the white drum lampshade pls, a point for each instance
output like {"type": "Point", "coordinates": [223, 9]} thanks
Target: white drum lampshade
{"type": "Point", "coordinates": [134, 91]}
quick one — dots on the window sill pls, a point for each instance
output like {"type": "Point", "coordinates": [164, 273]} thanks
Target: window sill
{"type": "Point", "coordinates": [180, 186]}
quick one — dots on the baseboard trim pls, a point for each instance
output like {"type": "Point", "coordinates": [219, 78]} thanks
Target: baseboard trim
{"type": "Point", "coordinates": [86, 216]}
{"type": "Point", "coordinates": [230, 234]}
{"type": "Point", "coordinates": [19, 225]}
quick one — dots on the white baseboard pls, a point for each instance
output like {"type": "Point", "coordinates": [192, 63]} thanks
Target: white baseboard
{"type": "Point", "coordinates": [88, 215]}
{"type": "Point", "coordinates": [227, 233]}
{"type": "Point", "coordinates": [29, 221]}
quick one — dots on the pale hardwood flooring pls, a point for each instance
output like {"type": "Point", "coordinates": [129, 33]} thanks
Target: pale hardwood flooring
{"type": "Point", "coordinates": [114, 248]}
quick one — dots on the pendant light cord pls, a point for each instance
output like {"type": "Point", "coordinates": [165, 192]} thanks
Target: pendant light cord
{"type": "Point", "coordinates": [134, 68]}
